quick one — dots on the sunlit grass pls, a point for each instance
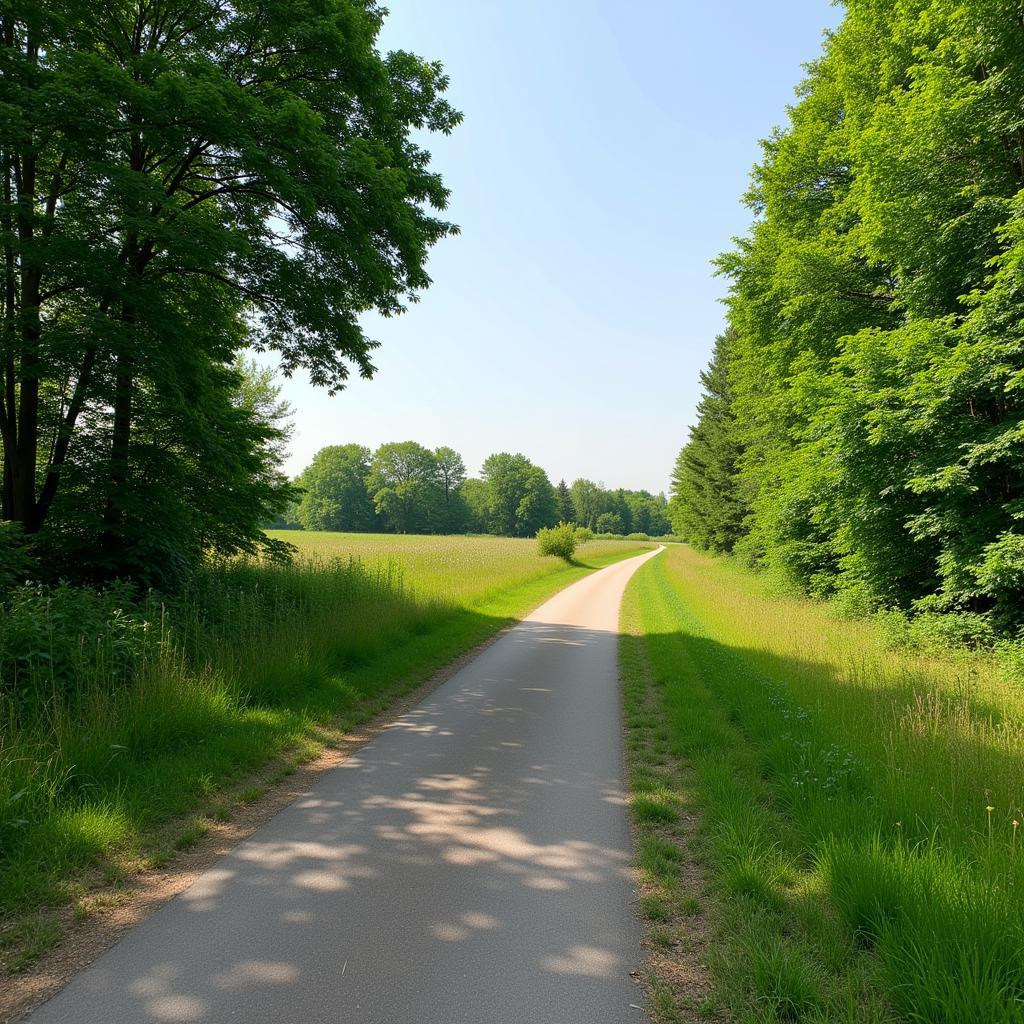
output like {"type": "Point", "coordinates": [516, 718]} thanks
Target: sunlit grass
{"type": "Point", "coordinates": [859, 803]}
{"type": "Point", "coordinates": [146, 722]}
{"type": "Point", "coordinates": [466, 570]}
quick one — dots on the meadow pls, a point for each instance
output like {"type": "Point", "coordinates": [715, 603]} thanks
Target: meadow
{"type": "Point", "coordinates": [856, 810]}
{"type": "Point", "coordinates": [125, 724]}
{"type": "Point", "coordinates": [463, 570]}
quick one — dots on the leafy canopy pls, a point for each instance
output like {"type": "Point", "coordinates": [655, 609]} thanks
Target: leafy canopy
{"type": "Point", "coordinates": [862, 431]}
{"type": "Point", "coordinates": [184, 180]}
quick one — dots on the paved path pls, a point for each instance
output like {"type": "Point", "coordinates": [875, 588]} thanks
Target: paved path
{"type": "Point", "coordinates": [470, 864]}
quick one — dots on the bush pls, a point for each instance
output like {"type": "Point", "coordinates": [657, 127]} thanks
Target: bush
{"type": "Point", "coordinates": [1010, 654]}
{"type": "Point", "coordinates": [1001, 574]}
{"type": "Point", "coordinates": [935, 632]}
{"type": "Point", "coordinates": [56, 640]}
{"type": "Point", "coordinates": [14, 559]}
{"type": "Point", "coordinates": [560, 540]}
{"type": "Point", "coordinates": [583, 534]}
{"type": "Point", "coordinates": [856, 601]}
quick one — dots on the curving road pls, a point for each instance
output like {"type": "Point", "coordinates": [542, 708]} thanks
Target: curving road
{"type": "Point", "coordinates": [470, 864]}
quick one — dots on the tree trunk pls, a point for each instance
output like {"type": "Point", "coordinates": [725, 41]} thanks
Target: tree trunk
{"type": "Point", "coordinates": [26, 449]}
{"type": "Point", "coordinates": [8, 398]}
{"type": "Point", "coordinates": [112, 543]}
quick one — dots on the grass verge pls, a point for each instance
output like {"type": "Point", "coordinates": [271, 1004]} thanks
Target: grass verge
{"type": "Point", "coordinates": [856, 805]}
{"type": "Point", "coordinates": [673, 894]}
{"type": "Point", "coordinates": [110, 739]}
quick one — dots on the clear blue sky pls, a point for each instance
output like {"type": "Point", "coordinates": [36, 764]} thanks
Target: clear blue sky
{"type": "Point", "coordinates": [599, 170]}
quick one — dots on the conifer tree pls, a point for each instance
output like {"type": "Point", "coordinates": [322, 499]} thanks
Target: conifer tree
{"type": "Point", "coordinates": [563, 498]}
{"type": "Point", "coordinates": [705, 507]}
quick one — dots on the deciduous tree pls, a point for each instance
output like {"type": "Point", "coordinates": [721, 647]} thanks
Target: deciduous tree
{"type": "Point", "coordinates": [335, 495]}
{"type": "Point", "coordinates": [875, 355]}
{"type": "Point", "coordinates": [521, 498]}
{"type": "Point", "coordinates": [404, 481]}
{"type": "Point", "coordinates": [181, 180]}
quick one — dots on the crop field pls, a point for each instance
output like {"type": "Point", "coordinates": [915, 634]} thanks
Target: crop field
{"type": "Point", "coordinates": [119, 743]}
{"type": "Point", "coordinates": [860, 806]}
{"type": "Point", "coordinates": [463, 570]}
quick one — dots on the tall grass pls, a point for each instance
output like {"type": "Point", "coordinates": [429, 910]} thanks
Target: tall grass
{"type": "Point", "coordinates": [465, 570]}
{"type": "Point", "coordinates": [844, 782]}
{"type": "Point", "coordinates": [118, 714]}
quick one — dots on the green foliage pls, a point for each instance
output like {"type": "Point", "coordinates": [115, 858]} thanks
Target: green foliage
{"type": "Point", "coordinates": [15, 563]}
{"type": "Point", "coordinates": [859, 806]}
{"type": "Point", "coordinates": [406, 488]}
{"type": "Point", "coordinates": [475, 496]}
{"type": "Point", "coordinates": [334, 494]}
{"type": "Point", "coordinates": [402, 487]}
{"type": "Point", "coordinates": [405, 482]}
{"type": "Point", "coordinates": [560, 540]}
{"type": "Point", "coordinates": [521, 498]}
{"type": "Point", "coordinates": [861, 430]}
{"type": "Point", "coordinates": [621, 511]}
{"type": "Point", "coordinates": [1001, 570]}
{"type": "Point", "coordinates": [205, 477]}
{"type": "Point", "coordinates": [452, 474]}
{"type": "Point", "coordinates": [563, 501]}
{"type": "Point", "coordinates": [179, 186]}
{"type": "Point", "coordinates": [706, 507]}
{"type": "Point", "coordinates": [587, 502]}
{"type": "Point", "coordinates": [118, 713]}
{"type": "Point", "coordinates": [53, 640]}
{"type": "Point", "coordinates": [609, 522]}
{"type": "Point", "coordinates": [937, 632]}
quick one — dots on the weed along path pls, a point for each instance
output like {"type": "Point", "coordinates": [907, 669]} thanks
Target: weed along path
{"type": "Point", "coordinates": [470, 864]}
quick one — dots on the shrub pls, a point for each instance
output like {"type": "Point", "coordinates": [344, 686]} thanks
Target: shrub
{"type": "Point", "coordinates": [583, 534]}
{"type": "Point", "coordinates": [1011, 659]}
{"type": "Point", "coordinates": [55, 640]}
{"type": "Point", "coordinates": [936, 632]}
{"type": "Point", "coordinates": [560, 540]}
{"type": "Point", "coordinates": [14, 560]}
{"type": "Point", "coordinates": [1001, 573]}
{"type": "Point", "coordinates": [856, 601]}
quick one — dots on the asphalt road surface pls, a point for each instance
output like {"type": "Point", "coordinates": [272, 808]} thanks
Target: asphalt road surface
{"type": "Point", "coordinates": [470, 864]}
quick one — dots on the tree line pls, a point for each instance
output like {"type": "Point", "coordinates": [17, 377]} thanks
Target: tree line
{"type": "Point", "coordinates": [179, 182]}
{"type": "Point", "coordinates": [404, 487]}
{"type": "Point", "coordinates": [861, 431]}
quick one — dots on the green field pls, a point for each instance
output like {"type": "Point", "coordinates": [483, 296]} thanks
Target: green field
{"type": "Point", "coordinates": [859, 808]}
{"type": "Point", "coordinates": [119, 739]}
{"type": "Point", "coordinates": [464, 570]}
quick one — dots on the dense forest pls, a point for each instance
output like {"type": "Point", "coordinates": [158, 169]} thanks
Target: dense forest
{"type": "Point", "coordinates": [404, 487]}
{"type": "Point", "coordinates": [861, 429]}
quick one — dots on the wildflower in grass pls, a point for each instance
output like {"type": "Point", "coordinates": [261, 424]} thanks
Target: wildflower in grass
{"type": "Point", "coordinates": [1013, 841]}
{"type": "Point", "coordinates": [988, 810]}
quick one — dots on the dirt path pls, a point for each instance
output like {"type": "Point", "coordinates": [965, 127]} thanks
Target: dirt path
{"type": "Point", "coordinates": [471, 864]}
